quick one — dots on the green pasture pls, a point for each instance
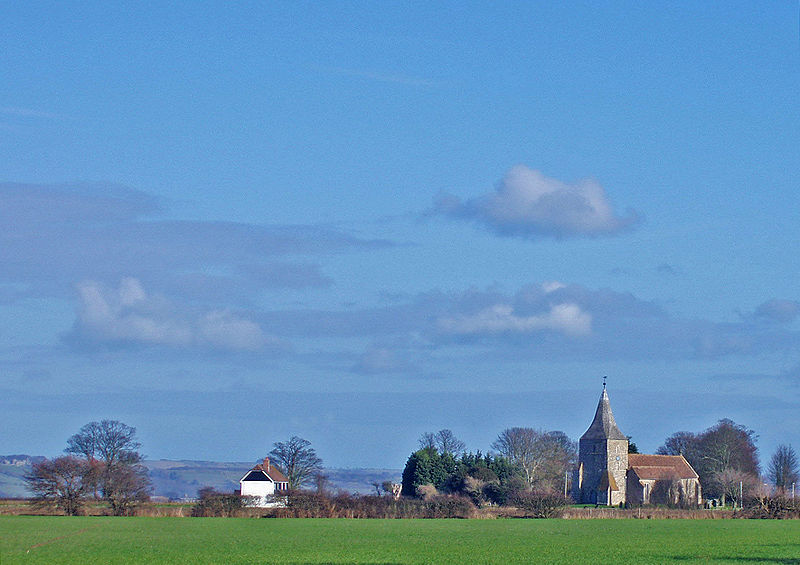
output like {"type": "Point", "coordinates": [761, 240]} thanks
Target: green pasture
{"type": "Point", "coordinates": [102, 540]}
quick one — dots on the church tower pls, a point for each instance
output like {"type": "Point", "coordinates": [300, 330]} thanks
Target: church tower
{"type": "Point", "coordinates": [602, 459]}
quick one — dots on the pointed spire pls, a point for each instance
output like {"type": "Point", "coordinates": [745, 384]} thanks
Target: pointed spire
{"type": "Point", "coordinates": [603, 426]}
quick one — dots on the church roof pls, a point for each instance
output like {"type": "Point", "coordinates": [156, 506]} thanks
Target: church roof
{"type": "Point", "coordinates": [603, 426]}
{"type": "Point", "coordinates": [661, 466]}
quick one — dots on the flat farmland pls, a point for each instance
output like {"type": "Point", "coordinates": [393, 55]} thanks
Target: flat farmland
{"type": "Point", "coordinates": [100, 540]}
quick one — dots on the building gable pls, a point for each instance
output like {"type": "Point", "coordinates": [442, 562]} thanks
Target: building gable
{"type": "Point", "coordinates": [255, 475]}
{"type": "Point", "coordinates": [266, 471]}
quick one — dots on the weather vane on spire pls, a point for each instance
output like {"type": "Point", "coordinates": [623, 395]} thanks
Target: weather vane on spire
{"type": "Point", "coordinates": [604, 382]}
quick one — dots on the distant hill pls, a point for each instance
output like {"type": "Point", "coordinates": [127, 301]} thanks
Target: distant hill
{"type": "Point", "coordinates": [182, 479]}
{"type": "Point", "coordinates": [13, 469]}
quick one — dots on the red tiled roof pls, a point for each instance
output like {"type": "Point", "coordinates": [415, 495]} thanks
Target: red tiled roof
{"type": "Point", "coordinates": [660, 466]}
{"type": "Point", "coordinates": [272, 471]}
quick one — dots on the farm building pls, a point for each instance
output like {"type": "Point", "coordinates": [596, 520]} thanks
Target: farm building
{"type": "Point", "coordinates": [266, 482]}
{"type": "Point", "coordinates": [607, 474]}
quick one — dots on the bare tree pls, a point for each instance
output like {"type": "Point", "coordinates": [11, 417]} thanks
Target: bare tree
{"type": "Point", "coordinates": [427, 440]}
{"type": "Point", "coordinates": [722, 455]}
{"type": "Point", "coordinates": [447, 442]}
{"type": "Point", "coordinates": [734, 484]}
{"type": "Point", "coordinates": [543, 456]}
{"type": "Point", "coordinates": [322, 483]}
{"type": "Point", "coordinates": [680, 443]}
{"type": "Point", "coordinates": [783, 467]}
{"type": "Point", "coordinates": [86, 442]}
{"type": "Point", "coordinates": [563, 455]}
{"type": "Point", "coordinates": [112, 448]}
{"type": "Point", "coordinates": [728, 445]}
{"type": "Point", "coordinates": [444, 441]}
{"type": "Point", "coordinates": [298, 460]}
{"type": "Point", "coordinates": [125, 487]}
{"type": "Point", "coordinates": [520, 446]}
{"type": "Point", "coordinates": [110, 441]}
{"type": "Point", "coordinates": [65, 482]}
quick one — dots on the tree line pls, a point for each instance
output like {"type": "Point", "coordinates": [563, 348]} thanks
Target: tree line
{"type": "Point", "coordinates": [525, 460]}
{"type": "Point", "coordinates": [725, 456]}
{"type": "Point", "coordinates": [102, 462]}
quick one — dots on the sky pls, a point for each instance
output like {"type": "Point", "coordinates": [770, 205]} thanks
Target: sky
{"type": "Point", "coordinates": [356, 222]}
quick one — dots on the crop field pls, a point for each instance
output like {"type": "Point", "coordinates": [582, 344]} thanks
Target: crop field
{"type": "Point", "coordinates": [101, 540]}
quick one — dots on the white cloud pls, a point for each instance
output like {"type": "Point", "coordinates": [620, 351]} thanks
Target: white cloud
{"type": "Point", "coordinates": [564, 318]}
{"type": "Point", "coordinates": [552, 286]}
{"type": "Point", "coordinates": [610, 324]}
{"type": "Point", "coordinates": [225, 330]}
{"type": "Point", "coordinates": [131, 292]}
{"type": "Point", "coordinates": [128, 315]}
{"type": "Point", "coordinates": [527, 203]}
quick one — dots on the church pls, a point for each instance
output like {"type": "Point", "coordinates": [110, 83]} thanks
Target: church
{"type": "Point", "coordinates": [608, 475]}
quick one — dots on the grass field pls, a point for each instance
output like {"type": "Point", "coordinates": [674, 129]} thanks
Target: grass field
{"type": "Point", "coordinates": [96, 540]}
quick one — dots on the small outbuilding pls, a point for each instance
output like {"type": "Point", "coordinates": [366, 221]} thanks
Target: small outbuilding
{"type": "Point", "coordinates": [267, 483]}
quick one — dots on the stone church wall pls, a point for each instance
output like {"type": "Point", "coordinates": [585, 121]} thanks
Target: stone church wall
{"type": "Point", "coordinates": [617, 464]}
{"type": "Point", "coordinates": [598, 457]}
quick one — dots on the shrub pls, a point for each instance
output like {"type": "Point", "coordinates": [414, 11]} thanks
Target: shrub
{"type": "Point", "coordinates": [448, 506]}
{"type": "Point", "coordinates": [540, 505]}
{"type": "Point", "coordinates": [771, 507]}
{"type": "Point", "coordinates": [303, 504]}
{"type": "Point", "coordinates": [505, 492]}
{"type": "Point", "coordinates": [425, 492]}
{"type": "Point", "coordinates": [211, 503]}
{"type": "Point", "coordinates": [474, 489]}
{"type": "Point", "coordinates": [306, 504]}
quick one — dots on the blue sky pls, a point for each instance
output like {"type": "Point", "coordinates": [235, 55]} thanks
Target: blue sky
{"type": "Point", "coordinates": [357, 222]}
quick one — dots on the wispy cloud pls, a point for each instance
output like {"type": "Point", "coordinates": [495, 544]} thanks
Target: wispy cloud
{"type": "Point", "coordinates": [547, 320]}
{"type": "Point", "coordinates": [128, 315]}
{"type": "Point", "coordinates": [528, 204]}
{"type": "Point", "coordinates": [566, 318]}
{"type": "Point", "coordinates": [57, 235]}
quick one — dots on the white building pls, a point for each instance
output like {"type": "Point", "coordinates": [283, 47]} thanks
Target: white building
{"type": "Point", "coordinates": [267, 483]}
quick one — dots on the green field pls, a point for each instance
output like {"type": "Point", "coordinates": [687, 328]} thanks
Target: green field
{"type": "Point", "coordinates": [96, 540]}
